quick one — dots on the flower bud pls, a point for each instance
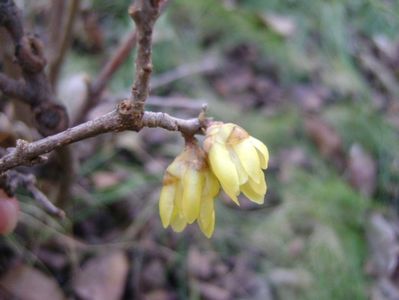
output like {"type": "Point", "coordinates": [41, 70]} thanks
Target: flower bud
{"type": "Point", "coordinates": [188, 191]}
{"type": "Point", "coordinates": [237, 160]}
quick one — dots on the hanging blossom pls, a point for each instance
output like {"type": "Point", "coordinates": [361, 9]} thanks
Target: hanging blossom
{"type": "Point", "coordinates": [237, 160]}
{"type": "Point", "coordinates": [232, 159]}
{"type": "Point", "coordinates": [188, 192]}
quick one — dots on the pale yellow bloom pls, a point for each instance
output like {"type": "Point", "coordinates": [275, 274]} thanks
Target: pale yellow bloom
{"type": "Point", "coordinates": [188, 192]}
{"type": "Point", "coordinates": [237, 160]}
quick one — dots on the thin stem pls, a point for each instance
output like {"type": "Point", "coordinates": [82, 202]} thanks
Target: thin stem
{"type": "Point", "coordinates": [97, 87]}
{"type": "Point", "coordinates": [144, 14]}
{"type": "Point", "coordinates": [55, 66]}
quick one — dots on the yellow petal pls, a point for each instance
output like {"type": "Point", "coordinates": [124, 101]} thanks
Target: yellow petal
{"type": "Point", "coordinates": [220, 132]}
{"type": "Point", "coordinates": [213, 130]}
{"type": "Point", "coordinates": [178, 223]}
{"type": "Point", "coordinates": [237, 136]}
{"type": "Point", "coordinates": [211, 186]}
{"type": "Point", "coordinates": [166, 203]}
{"type": "Point", "coordinates": [193, 183]}
{"type": "Point", "coordinates": [206, 220]}
{"type": "Point", "coordinates": [232, 197]}
{"type": "Point", "coordinates": [179, 196]}
{"type": "Point", "coordinates": [224, 169]}
{"type": "Point", "coordinates": [177, 167]}
{"type": "Point", "coordinates": [259, 187]}
{"type": "Point", "coordinates": [251, 194]}
{"type": "Point", "coordinates": [262, 151]}
{"type": "Point", "coordinates": [249, 158]}
{"type": "Point", "coordinates": [224, 132]}
{"type": "Point", "coordinates": [242, 174]}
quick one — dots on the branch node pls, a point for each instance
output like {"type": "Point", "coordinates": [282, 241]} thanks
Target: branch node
{"type": "Point", "coordinates": [147, 68]}
{"type": "Point", "coordinates": [125, 107]}
{"type": "Point", "coordinates": [21, 146]}
{"type": "Point", "coordinates": [134, 12]}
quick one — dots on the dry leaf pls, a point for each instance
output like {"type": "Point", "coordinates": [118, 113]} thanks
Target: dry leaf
{"type": "Point", "coordinates": [102, 278]}
{"type": "Point", "coordinates": [324, 136]}
{"type": "Point", "coordinates": [383, 245]}
{"type": "Point", "coordinates": [200, 265]}
{"type": "Point", "coordinates": [26, 283]}
{"type": "Point", "coordinates": [326, 139]}
{"type": "Point", "coordinates": [362, 170]}
{"type": "Point", "coordinates": [283, 25]}
{"type": "Point", "coordinates": [311, 98]}
{"type": "Point", "coordinates": [296, 278]}
{"type": "Point", "coordinates": [213, 292]}
{"type": "Point", "coordinates": [106, 179]}
{"type": "Point", "coordinates": [153, 275]}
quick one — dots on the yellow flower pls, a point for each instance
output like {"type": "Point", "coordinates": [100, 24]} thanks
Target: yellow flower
{"type": "Point", "coordinates": [237, 160]}
{"type": "Point", "coordinates": [188, 192]}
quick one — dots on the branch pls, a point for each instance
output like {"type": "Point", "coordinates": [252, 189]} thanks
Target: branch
{"type": "Point", "coordinates": [129, 115]}
{"type": "Point", "coordinates": [120, 55]}
{"type": "Point", "coordinates": [10, 18]}
{"type": "Point", "coordinates": [35, 89]}
{"type": "Point", "coordinates": [12, 180]}
{"type": "Point", "coordinates": [55, 23]}
{"type": "Point", "coordinates": [97, 87]}
{"type": "Point", "coordinates": [12, 87]}
{"type": "Point", "coordinates": [61, 51]}
{"type": "Point", "coordinates": [144, 13]}
{"type": "Point", "coordinates": [120, 119]}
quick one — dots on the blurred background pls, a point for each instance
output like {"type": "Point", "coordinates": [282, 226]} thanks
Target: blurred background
{"type": "Point", "coordinates": [316, 81]}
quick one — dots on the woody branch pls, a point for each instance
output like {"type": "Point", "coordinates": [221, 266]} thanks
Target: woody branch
{"type": "Point", "coordinates": [129, 114]}
{"type": "Point", "coordinates": [33, 88]}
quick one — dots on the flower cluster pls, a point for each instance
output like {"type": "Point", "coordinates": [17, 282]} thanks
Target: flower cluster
{"type": "Point", "coordinates": [188, 192]}
{"type": "Point", "coordinates": [232, 159]}
{"type": "Point", "coordinates": [237, 160]}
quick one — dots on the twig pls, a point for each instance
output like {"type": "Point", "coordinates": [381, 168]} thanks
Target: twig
{"type": "Point", "coordinates": [129, 115]}
{"type": "Point", "coordinates": [120, 55]}
{"type": "Point", "coordinates": [117, 120]}
{"type": "Point", "coordinates": [12, 180]}
{"type": "Point", "coordinates": [65, 155]}
{"type": "Point", "coordinates": [66, 32]}
{"type": "Point", "coordinates": [96, 88]}
{"type": "Point", "coordinates": [67, 164]}
{"type": "Point", "coordinates": [207, 65]}
{"type": "Point", "coordinates": [144, 13]}
{"type": "Point", "coordinates": [35, 89]}
{"type": "Point", "coordinates": [56, 22]}
{"type": "Point", "coordinates": [12, 87]}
